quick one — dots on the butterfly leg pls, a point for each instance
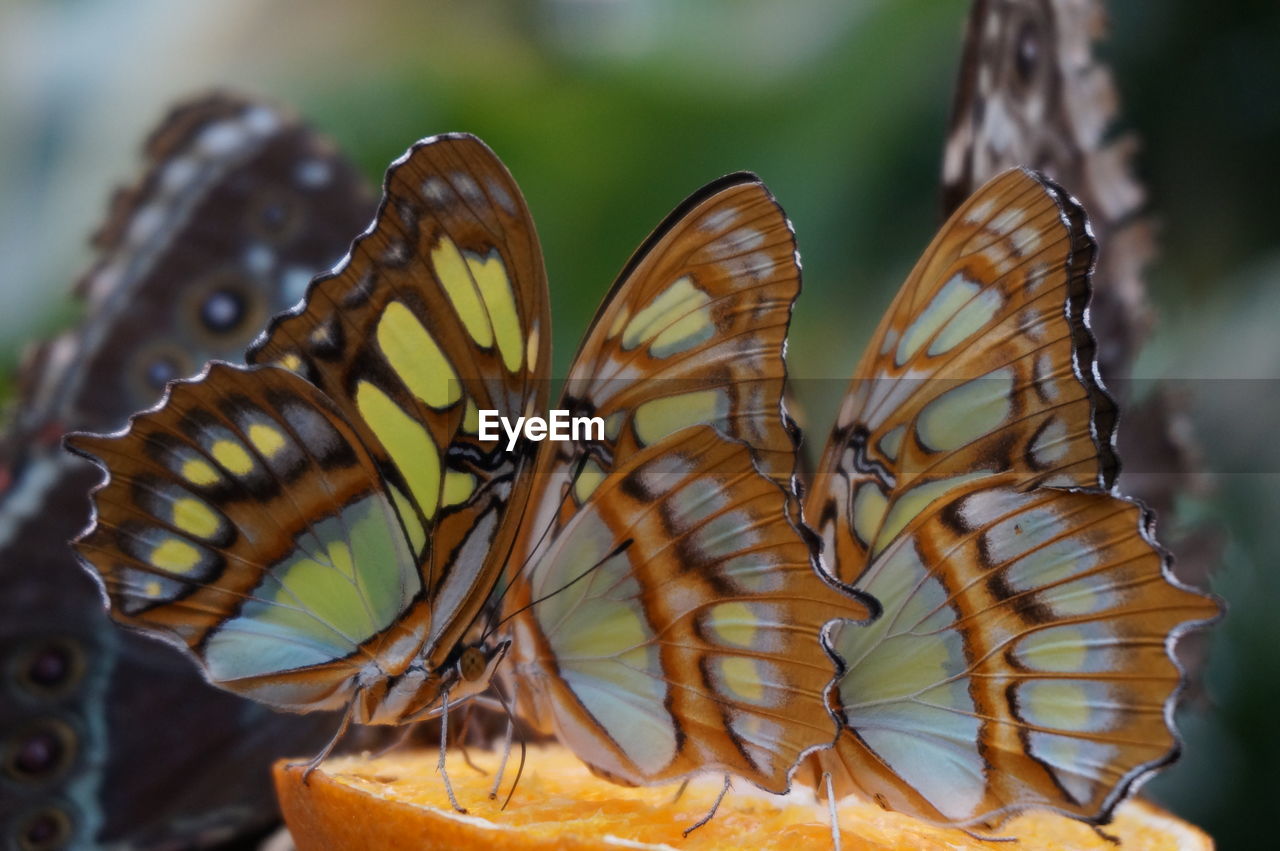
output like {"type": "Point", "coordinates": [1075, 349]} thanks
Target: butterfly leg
{"type": "Point", "coordinates": [1114, 840]}
{"type": "Point", "coordinates": [315, 761]}
{"type": "Point", "coordinates": [724, 790]}
{"type": "Point", "coordinates": [831, 811]}
{"type": "Point", "coordinates": [684, 784]}
{"type": "Point", "coordinates": [979, 837]}
{"type": "Point", "coordinates": [444, 746]}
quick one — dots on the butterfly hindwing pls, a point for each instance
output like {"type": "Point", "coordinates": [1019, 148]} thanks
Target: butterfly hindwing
{"type": "Point", "coordinates": [1022, 658]}
{"type": "Point", "coordinates": [675, 624]}
{"type": "Point", "coordinates": [238, 520]}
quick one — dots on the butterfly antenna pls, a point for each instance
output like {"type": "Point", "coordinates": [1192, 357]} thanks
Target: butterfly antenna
{"type": "Point", "coordinates": [444, 746]}
{"type": "Point", "coordinates": [495, 603]}
{"type": "Point", "coordinates": [724, 790]}
{"type": "Point", "coordinates": [980, 838]}
{"type": "Point", "coordinates": [831, 811]}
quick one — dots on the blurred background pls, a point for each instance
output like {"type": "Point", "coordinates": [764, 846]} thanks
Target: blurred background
{"type": "Point", "coordinates": [609, 112]}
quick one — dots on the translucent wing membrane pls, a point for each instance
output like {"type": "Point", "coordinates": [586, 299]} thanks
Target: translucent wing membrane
{"type": "Point", "coordinates": [982, 365]}
{"type": "Point", "coordinates": [1022, 658]}
{"type": "Point", "coordinates": [676, 623]}
{"type": "Point", "coordinates": [246, 521]}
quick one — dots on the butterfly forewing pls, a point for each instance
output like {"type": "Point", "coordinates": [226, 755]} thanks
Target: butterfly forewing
{"type": "Point", "coordinates": [700, 312]}
{"type": "Point", "coordinates": [675, 624]}
{"type": "Point", "coordinates": [981, 365]}
{"type": "Point", "coordinates": [692, 332]}
{"type": "Point", "coordinates": [440, 311]}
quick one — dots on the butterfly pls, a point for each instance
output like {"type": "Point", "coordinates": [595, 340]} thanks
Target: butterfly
{"type": "Point", "coordinates": [1032, 92]}
{"type": "Point", "coordinates": [1023, 656]}
{"type": "Point", "coordinates": [238, 208]}
{"type": "Point", "coordinates": [328, 527]}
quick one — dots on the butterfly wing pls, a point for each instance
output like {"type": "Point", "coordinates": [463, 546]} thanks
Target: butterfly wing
{"type": "Point", "coordinates": [675, 623]}
{"type": "Point", "coordinates": [238, 203]}
{"type": "Point", "coordinates": [1022, 657]}
{"type": "Point", "coordinates": [442, 311]}
{"type": "Point", "coordinates": [245, 521]}
{"type": "Point", "coordinates": [355, 506]}
{"type": "Point", "coordinates": [982, 364]}
{"type": "Point", "coordinates": [1022, 660]}
{"type": "Point", "coordinates": [693, 331]}
{"type": "Point", "coordinates": [691, 335]}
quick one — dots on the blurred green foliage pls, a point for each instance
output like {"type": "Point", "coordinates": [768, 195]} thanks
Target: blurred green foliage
{"type": "Point", "coordinates": [609, 113]}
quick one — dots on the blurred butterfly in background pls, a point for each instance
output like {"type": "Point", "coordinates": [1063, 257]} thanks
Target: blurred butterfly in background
{"type": "Point", "coordinates": [110, 738]}
{"type": "Point", "coordinates": [327, 528]}
{"type": "Point", "coordinates": [1023, 655]}
{"type": "Point", "coordinates": [1032, 93]}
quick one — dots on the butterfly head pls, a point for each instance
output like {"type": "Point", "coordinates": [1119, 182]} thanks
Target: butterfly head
{"type": "Point", "coordinates": [421, 693]}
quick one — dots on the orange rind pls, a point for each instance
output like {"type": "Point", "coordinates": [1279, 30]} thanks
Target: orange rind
{"type": "Point", "coordinates": [398, 801]}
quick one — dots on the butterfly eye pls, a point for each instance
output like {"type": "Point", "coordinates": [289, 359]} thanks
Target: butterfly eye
{"type": "Point", "coordinates": [51, 668]}
{"type": "Point", "coordinates": [43, 830]}
{"type": "Point", "coordinates": [39, 752]}
{"type": "Point", "coordinates": [223, 310]}
{"type": "Point", "coordinates": [472, 664]}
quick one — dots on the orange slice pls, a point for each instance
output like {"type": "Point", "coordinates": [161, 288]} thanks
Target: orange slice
{"type": "Point", "coordinates": [398, 801]}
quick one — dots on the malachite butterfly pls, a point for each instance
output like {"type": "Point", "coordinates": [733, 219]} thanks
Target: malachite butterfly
{"type": "Point", "coordinates": [110, 739]}
{"type": "Point", "coordinates": [325, 528]}
{"type": "Point", "coordinates": [1024, 654]}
